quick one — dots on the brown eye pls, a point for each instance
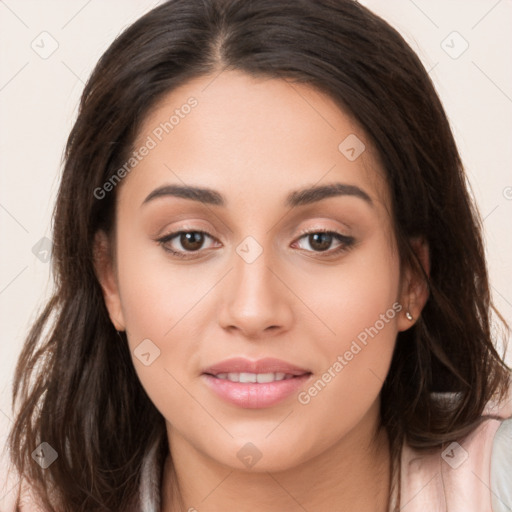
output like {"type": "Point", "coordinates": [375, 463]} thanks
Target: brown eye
{"type": "Point", "coordinates": [191, 240]}
{"type": "Point", "coordinates": [184, 243]}
{"type": "Point", "coordinates": [321, 242]}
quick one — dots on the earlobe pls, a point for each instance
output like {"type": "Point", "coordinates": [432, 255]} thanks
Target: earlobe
{"type": "Point", "coordinates": [415, 290]}
{"type": "Point", "coordinates": [105, 272]}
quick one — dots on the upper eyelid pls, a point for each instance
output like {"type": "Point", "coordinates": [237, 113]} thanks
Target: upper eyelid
{"type": "Point", "coordinates": [303, 232]}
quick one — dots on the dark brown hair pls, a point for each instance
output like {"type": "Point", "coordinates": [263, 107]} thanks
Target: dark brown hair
{"type": "Point", "coordinates": [75, 384]}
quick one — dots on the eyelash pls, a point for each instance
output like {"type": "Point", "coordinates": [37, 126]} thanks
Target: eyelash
{"type": "Point", "coordinates": [346, 242]}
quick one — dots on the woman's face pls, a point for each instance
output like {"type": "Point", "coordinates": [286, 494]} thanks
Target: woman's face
{"type": "Point", "coordinates": [322, 309]}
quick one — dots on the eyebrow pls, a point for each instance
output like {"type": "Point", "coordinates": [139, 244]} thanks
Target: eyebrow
{"type": "Point", "coordinates": [301, 197]}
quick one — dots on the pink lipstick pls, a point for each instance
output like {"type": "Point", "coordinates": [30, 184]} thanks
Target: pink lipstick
{"type": "Point", "coordinates": [255, 384]}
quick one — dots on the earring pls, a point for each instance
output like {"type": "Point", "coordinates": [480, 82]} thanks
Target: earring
{"type": "Point", "coordinates": [409, 316]}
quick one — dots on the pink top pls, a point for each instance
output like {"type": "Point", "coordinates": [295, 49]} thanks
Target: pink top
{"type": "Point", "coordinates": [473, 476]}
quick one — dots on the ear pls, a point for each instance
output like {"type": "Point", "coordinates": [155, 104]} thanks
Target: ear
{"type": "Point", "coordinates": [104, 267]}
{"type": "Point", "coordinates": [414, 290]}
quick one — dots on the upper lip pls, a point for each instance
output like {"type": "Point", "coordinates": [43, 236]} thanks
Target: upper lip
{"type": "Point", "coordinates": [265, 365]}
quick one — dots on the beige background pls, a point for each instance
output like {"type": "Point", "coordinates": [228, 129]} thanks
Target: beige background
{"type": "Point", "coordinates": [39, 96]}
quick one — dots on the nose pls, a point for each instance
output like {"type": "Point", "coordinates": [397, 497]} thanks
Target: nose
{"type": "Point", "coordinates": [256, 302]}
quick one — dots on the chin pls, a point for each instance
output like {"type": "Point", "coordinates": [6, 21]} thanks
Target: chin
{"type": "Point", "coordinates": [260, 455]}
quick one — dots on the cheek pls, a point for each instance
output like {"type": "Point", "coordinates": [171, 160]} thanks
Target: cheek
{"type": "Point", "coordinates": [154, 293]}
{"type": "Point", "coordinates": [160, 304]}
{"type": "Point", "coordinates": [359, 304]}
{"type": "Point", "coordinates": [353, 296]}
{"type": "Point", "coordinates": [160, 307]}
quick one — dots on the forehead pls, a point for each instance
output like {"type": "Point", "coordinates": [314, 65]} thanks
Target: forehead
{"type": "Point", "coordinates": [251, 135]}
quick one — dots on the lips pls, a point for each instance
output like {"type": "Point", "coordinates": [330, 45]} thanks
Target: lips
{"type": "Point", "coordinates": [254, 384]}
{"type": "Point", "coordinates": [266, 365]}
{"type": "Point", "coordinates": [260, 378]}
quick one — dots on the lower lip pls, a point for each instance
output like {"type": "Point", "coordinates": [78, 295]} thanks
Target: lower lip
{"type": "Point", "coordinates": [253, 395]}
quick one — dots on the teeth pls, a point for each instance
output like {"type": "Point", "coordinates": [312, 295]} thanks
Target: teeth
{"type": "Point", "coordinates": [260, 378]}
{"type": "Point", "coordinates": [248, 377]}
{"type": "Point", "coordinates": [265, 377]}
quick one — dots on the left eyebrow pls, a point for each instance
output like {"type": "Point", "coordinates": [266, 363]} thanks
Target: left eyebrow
{"type": "Point", "coordinates": [310, 195]}
{"type": "Point", "coordinates": [300, 197]}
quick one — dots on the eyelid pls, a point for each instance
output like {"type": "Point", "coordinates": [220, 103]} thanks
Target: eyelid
{"type": "Point", "coordinates": [346, 241]}
{"type": "Point", "coordinates": [162, 240]}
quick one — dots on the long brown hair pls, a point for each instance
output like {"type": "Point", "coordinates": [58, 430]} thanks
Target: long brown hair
{"type": "Point", "coordinates": [75, 384]}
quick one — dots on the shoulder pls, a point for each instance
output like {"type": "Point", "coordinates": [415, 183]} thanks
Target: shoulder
{"type": "Point", "coordinates": [501, 468]}
{"type": "Point", "coordinates": [9, 486]}
{"type": "Point", "coordinates": [473, 474]}
{"type": "Point", "coordinates": [15, 494]}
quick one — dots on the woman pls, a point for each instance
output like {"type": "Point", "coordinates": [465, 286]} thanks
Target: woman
{"type": "Point", "coordinates": [271, 285]}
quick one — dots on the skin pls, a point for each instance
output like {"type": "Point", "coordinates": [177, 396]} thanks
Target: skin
{"type": "Point", "coordinates": [254, 140]}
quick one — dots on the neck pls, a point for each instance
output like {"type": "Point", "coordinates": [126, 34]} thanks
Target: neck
{"type": "Point", "coordinates": [354, 474]}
